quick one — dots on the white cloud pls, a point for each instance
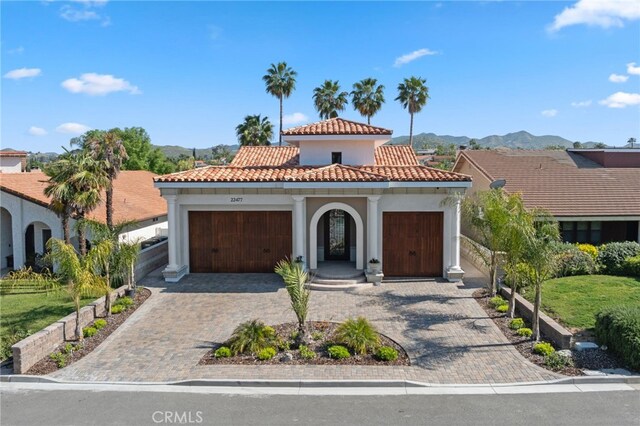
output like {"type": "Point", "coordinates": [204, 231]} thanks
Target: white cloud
{"type": "Point", "coordinates": [73, 128]}
{"type": "Point", "coordinates": [621, 100]}
{"type": "Point", "coordinates": [37, 131]}
{"type": "Point", "coordinates": [295, 118]}
{"type": "Point", "coordinates": [632, 69]}
{"type": "Point", "coordinates": [617, 78]}
{"type": "Point", "coordinates": [99, 85]}
{"type": "Point", "coordinates": [581, 104]}
{"type": "Point", "coordinates": [17, 51]}
{"type": "Point", "coordinates": [409, 57]}
{"type": "Point", "coordinates": [600, 13]}
{"type": "Point", "coordinates": [549, 112]}
{"type": "Point", "coordinates": [23, 73]}
{"type": "Point", "coordinates": [92, 3]}
{"type": "Point", "coordinates": [87, 11]}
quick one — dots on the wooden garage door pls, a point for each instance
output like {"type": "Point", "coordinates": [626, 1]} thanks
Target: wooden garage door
{"type": "Point", "coordinates": [248, 241]}
{"type": "Point", "coordinates": [412, 244]}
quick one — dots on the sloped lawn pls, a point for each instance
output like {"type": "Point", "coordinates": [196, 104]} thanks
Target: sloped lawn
{"type": "Point", "coordinates": [574, 301]}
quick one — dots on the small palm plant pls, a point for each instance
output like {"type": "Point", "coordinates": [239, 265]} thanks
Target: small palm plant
{"type": "Point", "coordinates": [252, 336]}
{"type": "Point", "coordinates": [295, 279]}
{"type": "Point", "coordinates": [358, 334]}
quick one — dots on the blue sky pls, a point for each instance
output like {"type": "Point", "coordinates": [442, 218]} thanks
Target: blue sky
{"type": "Point", "coordinates": [189, 72]}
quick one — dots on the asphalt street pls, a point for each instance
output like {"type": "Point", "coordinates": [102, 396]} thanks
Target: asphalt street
{"type": "Point", "coordinates": [20, 406]}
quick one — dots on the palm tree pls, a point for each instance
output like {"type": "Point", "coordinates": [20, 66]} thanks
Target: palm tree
{"type": "Point", "coordinates": [280, 81]}
{"type": "Point", "coordinates": [77, 272]}
{"type": "Point", "coordinates": [108, 147]}
{"type": "Point", "coordinates": [254, 131]}
{"type": "Point", "coordinates": [413, 95]}
{"type": "Point", "coordinates": [61, 191]}
{"type": "Point", "coordinates": [89, 179]}
{"type": "Point", "coordinates": [295, 279]}
{"type": "Point", "coordinates": [367, 97]}
{"type": "Point", "coordinates": [328, 99]}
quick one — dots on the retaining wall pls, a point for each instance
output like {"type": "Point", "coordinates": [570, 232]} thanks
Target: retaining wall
{"type": "Point", "coordinates": [29, 351]}
{"type": "Point", "coordinates": [151, 259]}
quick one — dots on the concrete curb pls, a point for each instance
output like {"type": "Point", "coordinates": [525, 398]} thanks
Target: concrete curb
{"type": "Point", "coordinates": [580, 380]}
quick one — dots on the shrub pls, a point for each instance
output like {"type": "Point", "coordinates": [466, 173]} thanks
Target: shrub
{"type": "Point", "coordinates": [543, 348]}
{"type": "Point", "coordinates": [117, 309]}
{"type": "Point", "coordinates": [590, 249]}
{"type": "Point", "coordinates": [10, 340]}
{"type": "Point", "coordinates": [502, 308]}
{"type": "Point", "coordinates": [524, 332]}
{"type": "Point", "coordinates": [317, 335]}
{"type": "Point", "coordinates": [557, 362]}
{"type": "Point", "coordinates": [357, 334]}
{"type": "Point", "coordinates": [516, 323]}
{"type": "Point", "coordinates": [283, 345]}
{"type": "Point", "coordinates": [618, 327]}
{"type": "Point", "coordinates": [125, 301]}
{"type": "Point", "coordinates": [100, 324]}
{"type": "Point", "coordinates": [252, 336]}
{"type": "Point", "coordinates": [387, 353]}
{"type": "Point", "coordinates": [306, 353]}
{"type": "Point", "coordinates": [59, 358]}
{"type": "Point", "coordinates": [496, 301]}
{"type": "Point", "coordinates": [338, 352]}
{"type": "Point", "coordinates": [574, 262]}
{"type": "Point", "coordinates": [89, 331]}
{"type": "Point", "coordinates": [222, 352]}
{"type": "Point", "coordinates": [266, 353]}
{"type": "Point", "coordinates": [613, 255]}
{"type": "Point", "coordinates": [631, 266]}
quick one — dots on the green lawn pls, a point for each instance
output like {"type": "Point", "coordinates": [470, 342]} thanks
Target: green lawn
{"type": "Point", "coordinates": [34, 311]}
{"type": "Point", "coordinates": [574, 301]}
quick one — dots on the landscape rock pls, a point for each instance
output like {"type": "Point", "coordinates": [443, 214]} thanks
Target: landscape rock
{"type": "Point", "coordinates": [287, 357]}
{"type": "Point", "coordinates": [581, 346]}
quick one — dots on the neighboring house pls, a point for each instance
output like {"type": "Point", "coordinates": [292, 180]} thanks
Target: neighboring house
{"type": "Point", "coordinates": [27, 222]}
{"type": "Point", "coordinates": [593, 193]}
{"type": "Point", "coordinates": [12, 161]}
{"type": "Point", "coordinates": [334, 194]}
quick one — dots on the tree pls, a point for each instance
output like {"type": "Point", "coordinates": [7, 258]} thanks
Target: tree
{"type": "Point", "coordinates": [599, 145]}
{"type": "Point", "coordinates": [221, 154]}
{"type": "Point", "coordinates": [328, 99]}
{"type": "Point", "coordinates": [367, 97]}
{"type": "Point", "coordinates": [474, 145]}
{"type": "Point", "coordinates": [488, 215]}
{"type": "Point", "coordinates": [254, 131]}
{"type": "Point", "coordinates": [554, 148]}
{"type": "Point", "coordinates": [538, 256]}
{"type": "Point", "coordinates": [280, 81]}
{"type": "Point", "coordinates": [577, 145]}
{"type": "Point", "coordinates": [141, 155]}
{"type": "Point", "coordinates": [631, 142]}
{"type": "Point", "coordinates": [446, 149]}
{"type": "Point", "coordinates": [77, 272]}
{"type": "Point", "coordinates": [295, 279]}
{"type": "Point", "coordinates": [413, 95]}
{"type": "Point", "coordinates": [109, 148]}
{"type": "Point", "coordinates": [61, 191]}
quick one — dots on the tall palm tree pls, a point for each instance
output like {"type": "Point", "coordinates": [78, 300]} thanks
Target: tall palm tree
{"type": "Point", "coordinates": [413, 94]}
{"type": "Point", "coordinates": [328, 99]}
{"type": "Point", "coordinates": [89, 180]}
{"type": "Point", "coordinates": [108, 147]}
{"type": "Point", "coordinates": [280, 81]}
{"type": "Point", "coordinates": [254, 131]}
{"type": "Point", "coordinates": [367, 97]}
{"type": "Point", "coordinates": [61, 191]}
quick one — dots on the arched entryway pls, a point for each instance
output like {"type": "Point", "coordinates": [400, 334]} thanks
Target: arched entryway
{"type": "Point", "coordinates": [6, 233]}
{"type": "Point", "coordinates": [336, 220]}
{"type": "Point", "coordinates": [36, 236]}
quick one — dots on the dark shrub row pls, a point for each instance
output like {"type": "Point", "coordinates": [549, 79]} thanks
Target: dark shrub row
{"type": "Point", "coordinates": [619, 328]}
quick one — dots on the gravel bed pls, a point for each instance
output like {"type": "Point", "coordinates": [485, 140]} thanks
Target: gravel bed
{"type": "Point", "coordinates": [319, 346]}
{"type": "Point", "coordinates": [47, 365]}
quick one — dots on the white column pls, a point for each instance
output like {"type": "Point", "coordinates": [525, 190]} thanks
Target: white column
{"type": "Point", "coordinates": [372, 227]}
{"type": "Point", "coordinates": [172, 216]}
{"type": "Point", "coordinates": [298, 226]}
{"type": "Point", "coordinates": [17, 235]}
{"type": "Point", "coordinates": [455, 272]}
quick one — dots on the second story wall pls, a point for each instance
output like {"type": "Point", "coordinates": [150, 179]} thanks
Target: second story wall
{"type": "Point", "coordinates": [354, 152]}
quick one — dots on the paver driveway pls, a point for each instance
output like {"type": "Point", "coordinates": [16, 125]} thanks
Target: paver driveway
{"type": "Point", "coordinates": [445, 332]}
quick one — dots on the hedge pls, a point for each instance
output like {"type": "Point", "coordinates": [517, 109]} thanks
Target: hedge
{"type": "Point", "coordinates": [619, 328]}
{"type": "Point", "coordinates": [612, 256]}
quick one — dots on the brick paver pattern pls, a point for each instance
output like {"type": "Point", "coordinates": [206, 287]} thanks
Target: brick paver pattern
{"type": "Point", "coordinates": [445, 332]}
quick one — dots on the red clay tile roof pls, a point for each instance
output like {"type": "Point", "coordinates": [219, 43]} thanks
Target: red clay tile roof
{"type": "Point", "coordinates": [280, 164]}
{"type": "Point", "coordinates": [563, 183]}
{"type": "Point", "coordinates": [8, 153]}
{"type": "Point", "coordinates": [135, 197]}
{"type": "Point", "coordinates": [336, 126]}
{"type": "Point", "coordinates": [266, 156]}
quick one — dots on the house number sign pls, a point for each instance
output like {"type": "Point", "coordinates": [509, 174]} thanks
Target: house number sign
{"type": "Point", "coordinates": [236, 199]}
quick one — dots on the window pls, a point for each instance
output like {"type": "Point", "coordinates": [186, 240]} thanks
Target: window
{"type": "Point", "coordinates": [336, 158]}
{"type": "Point", "coordinates": [581, 232]}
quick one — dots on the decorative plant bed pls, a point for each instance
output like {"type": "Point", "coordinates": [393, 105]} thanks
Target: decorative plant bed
{"type": "Point", "coordinates": [593, 359]}
{"type": "Point", "coordinates": [72, 351]}
{"type": "Point", "coordinates": [321, 334]}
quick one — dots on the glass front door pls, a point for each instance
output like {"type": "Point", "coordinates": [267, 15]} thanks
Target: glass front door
{"type": "Point", "coordinates": [336, 235]}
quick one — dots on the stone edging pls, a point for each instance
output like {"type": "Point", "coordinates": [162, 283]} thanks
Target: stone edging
{"type": "Point", "coordinates": [32, 349]}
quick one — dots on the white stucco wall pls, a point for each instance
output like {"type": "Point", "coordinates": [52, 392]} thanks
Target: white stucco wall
{"type": "Point", "coordinates": [11, 164]}
{"type": "Point", "coordinates": [6, 240]}
{"type": "Point", "coordinates": [318, 153]}
{"type": "Point", "coordinates": [147, 229]}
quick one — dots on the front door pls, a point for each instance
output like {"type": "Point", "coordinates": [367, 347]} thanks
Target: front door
{"type": "Point", "coordinates": [336, 235]}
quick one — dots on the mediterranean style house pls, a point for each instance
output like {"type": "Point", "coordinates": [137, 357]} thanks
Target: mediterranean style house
{"type": "Point", "coordinates": [593, 193]}
{"type": "Point", "coordinates": [336, 193]}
